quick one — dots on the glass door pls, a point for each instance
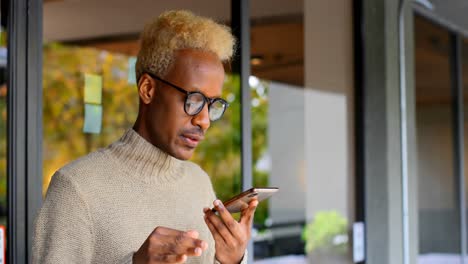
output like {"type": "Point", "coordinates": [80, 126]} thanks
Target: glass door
{"type": "Point", "coordinates": [440, 137]}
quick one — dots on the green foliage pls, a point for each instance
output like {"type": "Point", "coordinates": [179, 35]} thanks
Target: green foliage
{"type": "Point", "coordinates": [259, 94]}
{"type": "Point", "coordinates": [320, 234]}
{"type": "Point", "coordinates": [261, 213]}
{"type": "Point", "coordinates": [63, 107]}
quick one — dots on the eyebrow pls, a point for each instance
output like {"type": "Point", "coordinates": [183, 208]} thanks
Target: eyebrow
{"type": "Point", "coordinates": [180, 88]}
{"type": "Point", "coordinates": [214, 97]}
{"type": "Point", "coordinates": [198, 90]}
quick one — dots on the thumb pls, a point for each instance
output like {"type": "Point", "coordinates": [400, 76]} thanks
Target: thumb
{"type": "Point", "coordinates": [247, 214]}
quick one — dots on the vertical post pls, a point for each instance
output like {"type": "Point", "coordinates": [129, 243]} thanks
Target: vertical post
{"type": "Point", "coordinates": [16, 137]}
{"type": "Point", "coordinates": [359, 118]}
{"type": "Point", "coordinates": [358, 21]}
{"type": "Point", "coordinates": [458, 125]}
{"type": "Point", "coordinates": [33, 118]}
{"type": "Point", "coordinates": [240, 24]}
{"type": "Point", "coordinates": [403, 131]}
{"type": "Point", "coordinates": [375, 123]}
{"type": "Point", "coordinates": [390, 197]}
{"type": "Point", "coordinates": [24, 136]}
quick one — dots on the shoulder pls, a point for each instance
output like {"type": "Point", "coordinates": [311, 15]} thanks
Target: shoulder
{"type": "Point", "coordinates": [196, 171]}
{"type": "Point", "coordinates": [194, 167]}
{"type": "Point", "coordinates": [62, 190]}
{"type": "Point", "coordinates": [86, 163]}
{"type": "Point", "coordinates": [84, 170]}
{"type": "Point", "coordinates": [199, 178]}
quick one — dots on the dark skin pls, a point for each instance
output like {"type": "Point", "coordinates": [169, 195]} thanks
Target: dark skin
{"type": "Point", "coordinates": [163, 122]}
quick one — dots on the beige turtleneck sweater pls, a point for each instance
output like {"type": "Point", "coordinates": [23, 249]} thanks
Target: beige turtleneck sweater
{"type": "Point", "coordinates": [102, 207]}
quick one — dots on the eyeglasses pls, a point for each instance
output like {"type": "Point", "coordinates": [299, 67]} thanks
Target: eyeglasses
{"type": "Point", "coordinates": [195, 101]}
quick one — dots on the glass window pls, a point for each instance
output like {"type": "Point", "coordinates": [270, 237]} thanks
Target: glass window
{"type": "Point", "coordinates": [67, 68]}
{"type": "Point", "coordinates": [301, 87]}
{"type": "Point", "coordinates": [439, 226]}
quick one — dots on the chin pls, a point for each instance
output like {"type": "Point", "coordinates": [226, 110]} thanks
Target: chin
{"type": "Point", "coordinates": [184, 154]}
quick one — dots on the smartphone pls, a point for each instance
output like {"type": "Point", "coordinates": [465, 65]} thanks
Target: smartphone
{"type": "Point", "coordinates": [241, 201]}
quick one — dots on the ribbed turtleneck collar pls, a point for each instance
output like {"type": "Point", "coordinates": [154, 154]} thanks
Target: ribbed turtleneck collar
{"type": "Point", "coordinates": [144, 160]}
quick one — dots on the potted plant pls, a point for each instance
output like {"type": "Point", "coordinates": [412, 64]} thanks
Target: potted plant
{"type": "Point", "coordinates": [326, 238]}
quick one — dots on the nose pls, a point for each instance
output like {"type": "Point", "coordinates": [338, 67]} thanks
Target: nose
{"type": "Point", "coordinates": [202, 119]}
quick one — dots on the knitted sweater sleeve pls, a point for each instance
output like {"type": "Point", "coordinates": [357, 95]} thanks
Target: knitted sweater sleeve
{"type": "Point", "coordinates": [63, 231]}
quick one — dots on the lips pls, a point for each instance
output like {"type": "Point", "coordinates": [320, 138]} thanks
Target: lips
{"type": "Point", "coordinates": [192, 140]}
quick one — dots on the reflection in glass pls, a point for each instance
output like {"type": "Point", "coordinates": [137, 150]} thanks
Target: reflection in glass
{"type": "Point", "coordinates": [277, 109]}
{"type": "Point", "coordinates": [300, 140]}
{"type": "Point", "coordinates": [439, 232]}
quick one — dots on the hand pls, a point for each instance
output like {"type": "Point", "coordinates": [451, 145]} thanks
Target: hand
{"type": "Point", "coordinates": [231, 237]}
{"type": "Point", "coordinates": [166, 245]}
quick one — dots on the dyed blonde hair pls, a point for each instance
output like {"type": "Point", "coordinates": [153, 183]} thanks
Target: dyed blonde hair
{"type": "Point", "coordinates": [176, 30]}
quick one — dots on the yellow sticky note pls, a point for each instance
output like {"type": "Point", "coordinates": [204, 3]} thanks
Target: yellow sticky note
{"type": "Point", "coordinates": [93, 89]}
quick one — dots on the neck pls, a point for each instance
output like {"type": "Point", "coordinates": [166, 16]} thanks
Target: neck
{"type": "Point", "coordinates": [140, 126]}
{"type": "Point", "coordinates": [144, 160]}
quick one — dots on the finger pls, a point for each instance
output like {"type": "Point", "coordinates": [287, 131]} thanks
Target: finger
{"type": "Point", "coordinates": [170, 259]}
{"type": "Point", "coordinates": [192, 234]}
{"type": "Point", "coordinates": [247, 214]}
{"type": "Point", "coordinates": [178, 234]}
{"type": "Point", "coordinates": [194, 252]}
{"type": "Point", "coordinates": [174, 232]}
{"type": "Point", "coordinates": [214, 232]}
{"type": "Point", "coordinates": [231, 224]}
{"type": "Point", "coordinates": [220, 226]}
{"type": "Point", "coordinates": [177, 245]}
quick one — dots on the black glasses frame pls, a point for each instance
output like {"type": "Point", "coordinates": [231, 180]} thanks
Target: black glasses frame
{"type": "Point", "coordinates": [206, 99]}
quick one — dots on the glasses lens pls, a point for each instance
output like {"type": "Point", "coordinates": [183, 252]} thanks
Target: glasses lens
{"type": "Point", "coordinates": [217, 110]}
{"type": "Point", "coordinates": [194, 103]}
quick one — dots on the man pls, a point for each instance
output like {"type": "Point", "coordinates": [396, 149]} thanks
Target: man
{"type": "Point", "coordinates": [139, 200]}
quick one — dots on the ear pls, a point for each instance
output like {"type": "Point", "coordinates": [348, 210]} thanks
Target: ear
{"type": "Point", "coordinates": [146, 88]}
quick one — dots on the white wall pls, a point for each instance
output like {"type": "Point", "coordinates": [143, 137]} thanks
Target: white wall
{"type": "Point", "coordinates": [329, 125]}
{"type": "Point", "coordinates": [309, 156]}
{"type": "Point", "coordinates": [286, 143]}
{"type": "Point", "coordinates": [328, 175]}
